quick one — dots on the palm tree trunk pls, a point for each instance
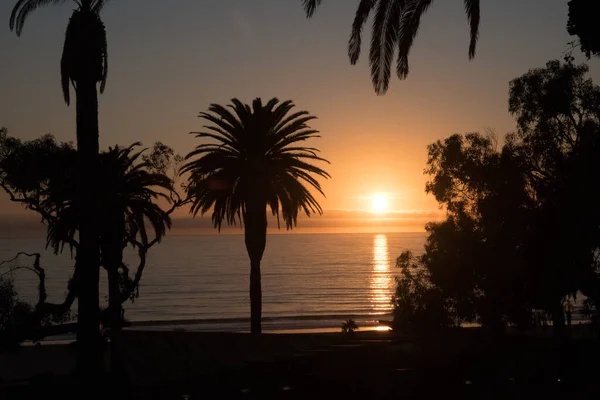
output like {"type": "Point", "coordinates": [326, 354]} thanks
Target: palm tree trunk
{"type": "Point", "coordinates": [558, 320]}
{"type": "Point", "coordinates": [113, 263]}
{"type": "Point", "coordinates": [114, 297]}
{"type": "Point", "coordinates": [256, 238]}
{"type": "Point", "coordinates": [112, 236]}
{"type": "Point", "coordinates": [255, 297]}
{"type": "Point", "coordinates": [88, 254]}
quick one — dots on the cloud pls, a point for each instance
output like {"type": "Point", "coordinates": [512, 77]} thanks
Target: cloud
{"type": "Point", "coordinates": [332, 221]}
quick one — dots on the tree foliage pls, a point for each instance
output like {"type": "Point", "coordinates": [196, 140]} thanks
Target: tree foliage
{"type": "Point", "coordinates": [522, 228]}
{"type": "Point", "coordinates": [19, 320]}
{"type": "Point", "coordinates": [40, 175]}
{"type": "Point", "coordinates": [583, 23]}
{"type": "Point", "coordinates": [419, 305]}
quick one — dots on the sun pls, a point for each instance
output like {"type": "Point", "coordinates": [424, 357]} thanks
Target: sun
{"type": "Point", "coordinates": [379, 203]}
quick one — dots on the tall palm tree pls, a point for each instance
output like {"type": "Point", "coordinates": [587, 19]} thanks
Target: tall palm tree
{"type": "Point", "coordinates": [84, 64]}
{"type": "Point", "coordinates": [256, 161]}
{"type": "Point", "coordinates": [127, 190]}
{"type": "Point", "coordinates": [395, 27]}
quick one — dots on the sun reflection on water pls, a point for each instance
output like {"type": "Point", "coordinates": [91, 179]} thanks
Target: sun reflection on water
{"type": "Point", "coordinates": [381, 278]}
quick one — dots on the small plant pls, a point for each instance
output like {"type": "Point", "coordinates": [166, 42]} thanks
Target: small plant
{"type": "Point", "coordinates": [349, 326]}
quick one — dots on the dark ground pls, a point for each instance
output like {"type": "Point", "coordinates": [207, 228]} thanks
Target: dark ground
{"type": "Point", "coordinates": [466, 363]}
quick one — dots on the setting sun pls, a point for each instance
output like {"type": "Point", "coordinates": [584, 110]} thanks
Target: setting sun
{"type": "Point", "coordinates": [379, 203]}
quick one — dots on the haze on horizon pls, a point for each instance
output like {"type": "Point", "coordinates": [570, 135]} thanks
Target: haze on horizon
{"type": "Point", "coordinates": [167, 64]}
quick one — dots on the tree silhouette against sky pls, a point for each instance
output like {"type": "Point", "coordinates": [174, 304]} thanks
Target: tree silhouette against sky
{"type": "Point", "coordinates": [84, 65]}
{"type": "Point", "coordinates": [256, 160]}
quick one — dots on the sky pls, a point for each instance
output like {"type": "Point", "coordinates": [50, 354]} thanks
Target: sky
{"type": "Point", "coordinates": [169, 60]}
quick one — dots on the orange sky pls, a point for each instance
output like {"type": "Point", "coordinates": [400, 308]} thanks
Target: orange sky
{"type": "Point", "coordinates": [168, 64]}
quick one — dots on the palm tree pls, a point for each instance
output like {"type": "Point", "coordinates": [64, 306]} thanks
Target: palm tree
{"type": "Point", "coordinates": [84, 64]}
{"type": "Point", "coordinates": [395, 27]}
{"type": "Point", "coordinates": [130, 201]}
{"type": "Point", "coordinates": [256, 162]}
{"type": "Point", "coordinates": [127, 190]}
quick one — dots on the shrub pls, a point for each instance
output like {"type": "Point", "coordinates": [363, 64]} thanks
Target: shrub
{"type": "Point", "coordinates": [418, 304]}
{"type": "Point", "coordinates": [13, 313]}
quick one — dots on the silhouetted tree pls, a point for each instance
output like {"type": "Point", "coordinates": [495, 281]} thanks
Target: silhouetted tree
{"type": "Point", "coordinates": [12, 313]}
{"type": "Point", "coordinates": [558, 118]}
{"type": "Point", "coordinates": [32, 171]}
{"type": "Point", "coordinates": [473, 255]}
{"type": "Point", "coordinates": [349, 326]}
{"type": "Point", "coordinates": [583, 23]}
{"type": "Point", "coordinates": [522, 228]}
{"type": "Point", "coordinates": [418, 304]}
{"type": "Point", "coordinates": [127, 191]}
{"type": "Point", "coordinates": [256, 162]}
{"type": "Point", "coordinates": [19, 320]}
{"type": "Point", "coordinates": [84, 64]}
{"type": "Point", "coordinates": [395, 27]}
{"type": "Point", "coordinates": [39, 175]}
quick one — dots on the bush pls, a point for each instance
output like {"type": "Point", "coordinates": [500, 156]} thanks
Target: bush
{"type": "Point", "coordinates": [590, 311]}
{"type": "Point", "coordinates": [13, 313]}
{"type": "Point", "coordinates": [418, 304]}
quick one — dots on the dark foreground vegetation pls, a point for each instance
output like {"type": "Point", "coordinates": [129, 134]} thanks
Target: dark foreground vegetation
{"type": "Point", "coordinates": [470, 363]}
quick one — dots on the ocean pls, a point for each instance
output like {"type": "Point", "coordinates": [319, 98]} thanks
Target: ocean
{"type": "Point", "coordinates": [308, 280]}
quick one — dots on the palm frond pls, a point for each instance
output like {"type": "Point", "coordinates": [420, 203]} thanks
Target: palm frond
{"type": "Point", "coordinates": [254, 157]}
{"type": "Point", "coordinates": [98, 5]}
{"type": "Point", "coordinates": [310, 6]}
{"type": "Point", "coordinates": [383, 43]}
{"type": "Point", "coordinates": [409, 28]}
{"type": "Point", "coordinates": [472, 8]}
{"type": "Point", "coordinates": [23, 8]}
{"type": "Point", "coordinates": [362, 14]}
{"type": "Point", "coordinates": [128, 191]}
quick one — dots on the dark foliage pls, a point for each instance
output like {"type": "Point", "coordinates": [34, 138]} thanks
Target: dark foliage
{"type": "Point", "coordinates": [39, 174]}
{"type": "Point", "coordinates": [19, 320]}
{"type": "Point", "coordinates": [419, 305]}
{"type": "Point", "coordinates": [584, 17]}
{"type": "Point", "coordinates": [13, 313]}
{"type": "Point", "coordinates": [523, 227]}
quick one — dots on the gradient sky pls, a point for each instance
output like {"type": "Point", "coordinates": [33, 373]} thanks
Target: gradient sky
{"type": "Point", "coordinates": [167, 63]}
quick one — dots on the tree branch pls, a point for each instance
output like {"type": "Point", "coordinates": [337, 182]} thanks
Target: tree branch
{"type": "Point", "coordinates": [42, 308]}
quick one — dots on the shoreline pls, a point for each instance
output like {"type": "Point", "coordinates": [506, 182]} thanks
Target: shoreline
{"type": "Point", "coordinates": [201, 321]}
{"type": "Point", "coordinates": [303, 324]}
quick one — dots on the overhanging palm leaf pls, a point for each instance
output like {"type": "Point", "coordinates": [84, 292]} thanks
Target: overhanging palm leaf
{"type": "Point", "coordinates": [395, 26]}
{"type": "Point", "coordinates": [254, 159]}
{"type": "Point", "coordinates": [311, 6]}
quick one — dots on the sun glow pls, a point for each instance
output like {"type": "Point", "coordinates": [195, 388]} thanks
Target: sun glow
{"type": "Point", "coordinates": [379, 203]}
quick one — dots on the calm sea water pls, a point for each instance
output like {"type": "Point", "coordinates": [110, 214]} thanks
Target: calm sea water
{"type": "Point", "coordinates": [207, 277]}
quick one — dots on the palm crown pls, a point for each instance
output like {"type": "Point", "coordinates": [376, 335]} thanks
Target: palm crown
{"type": "Point", "coordinates": [85, 49]}
{"type": "Point", "coordinates": [395, 27]}
{"type": "Point", "coordinates": [257, 159]}
{"type": "Point", "coordinates": [128, 191]}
